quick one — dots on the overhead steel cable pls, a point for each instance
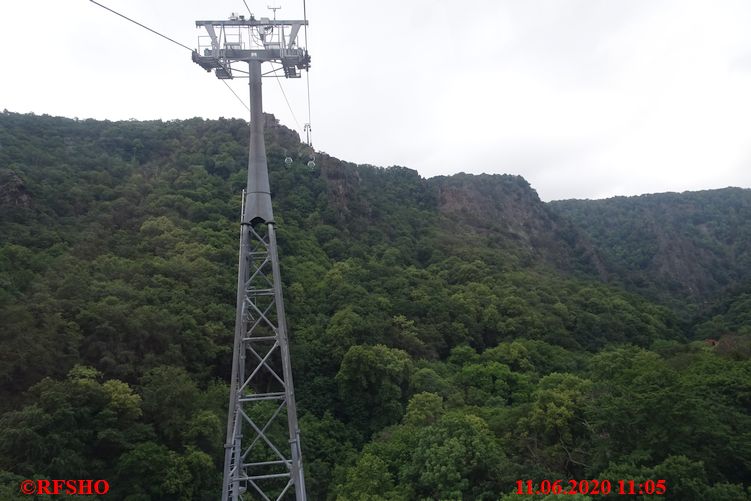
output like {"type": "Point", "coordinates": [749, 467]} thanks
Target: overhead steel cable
{"type": "Point", "coordinates": [310, 133]}
{"type": "Point", "coordinates": [294, 117]}
{"type": "Point", "coordinates": [235, 93]}
{"type": "Point", "coordinates": [307, 70]}
{"type": "Point", "coordinates": [305, 18]}
{"type": "Point", "coordinates": [167, 38]}
{"type": "Point", "coordinates": [142, 25]}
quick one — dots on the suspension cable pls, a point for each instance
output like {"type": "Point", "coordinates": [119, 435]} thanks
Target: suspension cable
{"type": "Point", "coordinates": [171, 40]}
{"type": "Point", "coordinates": [235, 93]}
{"type": "Point", "coordinates": [142, 25]}
{"type": "Point", "coordinates": [307, 70]}
{"type": "Point", "coordinates": [294, 117]}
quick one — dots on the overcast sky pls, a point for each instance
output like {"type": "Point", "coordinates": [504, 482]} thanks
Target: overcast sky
{"type": "Point", "coordinates": [584, 98]}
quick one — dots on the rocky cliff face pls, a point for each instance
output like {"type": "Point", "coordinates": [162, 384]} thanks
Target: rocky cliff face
{"type": "Point", "coordinates": [492, 202]}
{"type": "Point", "coordinates": [498, 210]}
{"type": "Point", "coordinates": [506, 206]}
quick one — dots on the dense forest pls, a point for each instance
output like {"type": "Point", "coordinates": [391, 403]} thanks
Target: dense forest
{"type": "Point", "coordinates": [450, 336]}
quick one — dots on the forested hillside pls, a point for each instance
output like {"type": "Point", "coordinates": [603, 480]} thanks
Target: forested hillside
{"type": "Point", "coordinates": [449, 336]}
{"type": "Point", "coordinates": [684, 249]}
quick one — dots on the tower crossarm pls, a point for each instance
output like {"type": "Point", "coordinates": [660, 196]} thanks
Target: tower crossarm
{"type": "Point", "coordinates": [239, 39]}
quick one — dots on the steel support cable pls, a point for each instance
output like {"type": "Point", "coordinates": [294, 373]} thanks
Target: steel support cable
{"type": "Point", "coordinates": [305, 18]}
{"type": "Point", "coordinates": [142, 25]}
{"type": "Point", "coordinates": [167, 38]}
{"type": "Point", "coordinates": [307, 70]}
{"type": "Point", "coordinates": [310, 128]}
{"type": "Point", "coordinates": [235, 93]}
{"type": "Point", "coordinates": [294, 117]}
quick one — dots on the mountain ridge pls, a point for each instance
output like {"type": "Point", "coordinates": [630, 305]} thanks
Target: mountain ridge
{"type": "Point", "coordinates": [694, 243]}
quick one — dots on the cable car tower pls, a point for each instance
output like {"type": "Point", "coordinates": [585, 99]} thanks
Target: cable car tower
{"type": "Point", "coordinates": [256, 460]}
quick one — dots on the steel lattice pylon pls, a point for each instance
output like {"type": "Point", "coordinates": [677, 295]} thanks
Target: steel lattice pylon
{"type": "Point", "coordinates": [261, 347]}
{"type": "Point", "coordinates": [262, 412]}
